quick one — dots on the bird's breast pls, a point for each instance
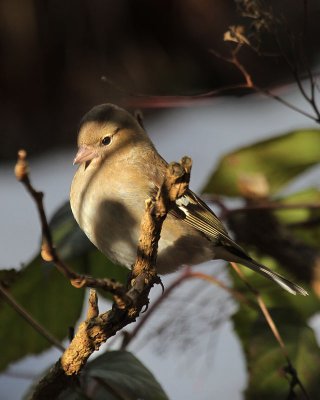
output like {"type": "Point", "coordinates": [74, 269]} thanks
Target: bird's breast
{"type": "Point", "coordinates": [109, 206]}
{"type": "Point", "coordinates": [109, 209]}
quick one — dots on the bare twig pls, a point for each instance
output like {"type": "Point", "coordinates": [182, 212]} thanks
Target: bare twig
{"type": "Point", "coordinates": [143, 100]}
{"type": "Point", "coordinates": [234, 293]}
{"type": "Point", "coordinates": [267, 205]}
{"type": "Point", "coordinates": [306, 63]}
{"type": "Point", "coordinates": [274, 26]}
{"type": "Point", "coordinates": [250, 84]}
{"type": "Point", "coordinates": [186, 274]}
{"type": "Point", "coordinates": [48, 251]}
{"type": "Point", "coordinates": [284, 102]}
{"type": "Point", "coordinates": [29, 318]}
{"type": "Point", "coordinates": [128, 337]}
{"type": "Point", "coordinates": [263, 20]}
{"type": "Point", "coordinates": [154, 101]}
{"type": "Point", "coordinates": [234, 60]}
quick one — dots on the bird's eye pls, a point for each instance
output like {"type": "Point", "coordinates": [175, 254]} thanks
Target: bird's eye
{"type": "Point", "coordinates": [106, 140]}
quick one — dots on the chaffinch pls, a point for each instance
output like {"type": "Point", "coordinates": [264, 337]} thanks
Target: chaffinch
{"type": "Point", "coordinates": [119, 168]}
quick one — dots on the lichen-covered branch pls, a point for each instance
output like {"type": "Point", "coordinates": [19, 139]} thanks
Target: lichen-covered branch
{"type": "Point", "coordinates": [97, 328]}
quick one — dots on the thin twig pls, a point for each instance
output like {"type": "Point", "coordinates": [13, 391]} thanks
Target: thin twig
{"type": "Point", "coordinates": [294, 67]}
{"type": "Point", "coordinates": [234, 60]}
{"type": "Point", "coordinates": [250, 84]}
{"type": "Point", "coordinates": [48, 250]}
{"type": "Point", "coordinates": [289, 368]}
{"type": "Point", "coordinates": [272, 205]}
{"type": "Point", "coordinates": [154, 101]}
{"type": "Point", "coordinates": [128, 337]}
{"type": "Point", "coordinates": [30, 319]}
{"type": "Point", "coordinates": [306, 62]}
{"type": "Point", "coordinates": [284, 102]}
{"type": "Point", "coordinates": [276, 206]}
{"type": "Point", "coordinates": [186, 274]}
{"type": "Point", "coordinates": [234, 293]}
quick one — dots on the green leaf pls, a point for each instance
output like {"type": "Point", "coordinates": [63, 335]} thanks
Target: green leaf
{"type": "Point", "coordinates": [302, 222]}
{"type": "Point", "coordinates": [49, 298]}
{"type": "Point", "coordinates": [69, 239]}
{"type": "Point", "coordinates": [8, 276]}
{"type": "Point", "coordinates": [277, 160]}
{"type": "Point", "coordinates": [122, 375]}
{"type": "Point", "coordinates": [101, 266]}
{"type": "Point", "coordinates": [47, 295]}
{"type": "Point", "coordinates": [310, 196]}
{"type": "Point", "coordinates": [116, 375]}
{"type": "Point", "coordinates": [265, 361]}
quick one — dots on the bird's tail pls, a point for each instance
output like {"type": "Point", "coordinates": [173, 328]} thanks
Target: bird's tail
{"type": "Point", "coordinates": [236, 254]}
{"type": "Point", "coordinates": [273, 276]}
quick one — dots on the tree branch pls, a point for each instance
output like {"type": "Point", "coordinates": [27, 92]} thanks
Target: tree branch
{"type": "Point", "coordinates": [186, 274]}
{"type": "Point", "coordinates": [98, 328]}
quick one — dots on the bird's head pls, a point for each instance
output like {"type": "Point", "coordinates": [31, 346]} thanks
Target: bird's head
{"type": "Point", "coordinates": [105, 130]}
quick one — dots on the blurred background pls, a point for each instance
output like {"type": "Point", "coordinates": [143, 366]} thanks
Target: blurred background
{"type": "Point", "coordinates": [60, 58]}
{"type": "Point", "coordinates": [54, 55]}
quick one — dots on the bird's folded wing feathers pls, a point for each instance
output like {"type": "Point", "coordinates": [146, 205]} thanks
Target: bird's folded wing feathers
{"type": "Point", "coordinates": [196, 213]}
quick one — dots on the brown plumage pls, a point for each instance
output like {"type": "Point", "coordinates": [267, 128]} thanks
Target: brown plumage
{"type": "Point", "coordinates": [119, 168]}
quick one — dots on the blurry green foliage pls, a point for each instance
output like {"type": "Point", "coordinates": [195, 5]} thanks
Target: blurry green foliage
{"type": "Point", "coordinates": [52, 301]}
{"type": "Point", "coordinates": [278, 161]}
{"type": "Point", "coordinates": [118, 375]}
{"type": "Point", "coordinates": [47, 295]}
{"type": "Point", "coordinates": [304, 223]}
{"type": "Point", "coordinates": [49, 298]}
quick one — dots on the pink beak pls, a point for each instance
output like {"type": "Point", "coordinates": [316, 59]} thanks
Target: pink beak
{"type": "Point", "coordinates": [84, 154]}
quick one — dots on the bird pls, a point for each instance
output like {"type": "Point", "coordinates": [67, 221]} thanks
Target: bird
{"type": "Point", "coordinates": [118, 169]}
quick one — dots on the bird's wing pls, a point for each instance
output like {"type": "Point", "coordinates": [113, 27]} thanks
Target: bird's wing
{"type": "Point", "coordinates": [197, 214]}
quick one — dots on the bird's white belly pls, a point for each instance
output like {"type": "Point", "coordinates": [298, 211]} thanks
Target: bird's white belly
{"type": "Point", "coordinates": [106, 224]}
